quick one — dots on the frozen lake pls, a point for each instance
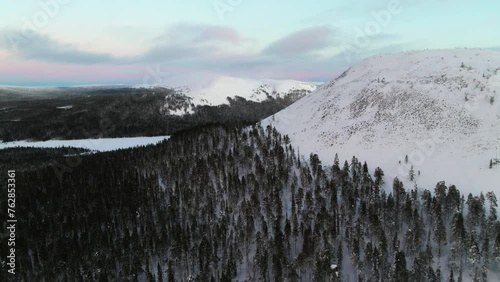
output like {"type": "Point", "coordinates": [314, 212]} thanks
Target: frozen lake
{"type": "Point", "coordinates": [101, 145]}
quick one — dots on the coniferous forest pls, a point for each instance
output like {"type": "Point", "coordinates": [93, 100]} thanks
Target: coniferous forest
{"type": "Point", "coordinates": [122, 112]}
{"type": "Point", "coordinates": [229, 203]}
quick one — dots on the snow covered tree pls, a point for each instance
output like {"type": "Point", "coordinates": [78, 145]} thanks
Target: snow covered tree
{"type": "Point", "coordinates": [452, 202]}
{"type": "Point", "coordinates": [496, 252]}
{"type": "Point", "coordinates": [474, 255]}
{"type": "Point", "coordinates": [440, 192]}
{"type": "Point", "coordinates": [492, 216]}
{"type": "Point", "coordinates": [460, 274]}
{"type": "Point", "coordinates": [440, 232]}
{"type": "Point", "coordinates": [159, 273]}
{"type": "Point", "coordinates": [485, 253]}
{"type": "Point", "coordinates": [431, 275]}
{"type": "Point", "coordinates": [379, 174]}
{"type": "Point", "coordinates": [420, 266]}
{"type": "Point", "coordinates": [346, 169]}
{"type": "Point", "coordinates": [411, 174]}
{"type": "Point", "coordinates": [476, 211]}
{"type": "Point", "coordinates": [398, 191]}
{"type": "Point", "coordinates": [322, 265]}
{"type": "Point", "coordinates": [400, 272]}
{"type": "Point", "coordinates": [458, 232]}
{"type": "Point", "coordinates": [315, 163]}
{"type": "Point", "coordinates": [439, 274]}
{"type": "Point", "coordinates": [336, 163]}
{"type": "Point", "coordinates": [170, 272]}
{"type": "Point", "coordinates": [261, 257]}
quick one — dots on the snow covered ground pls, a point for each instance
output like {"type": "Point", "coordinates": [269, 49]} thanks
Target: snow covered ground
{"type": "Point", "coordinates": [215, 91]}
{"type": "Point", "coordinates": [101, 145]}
{"type": "Point", "coordinates": [439, 107]}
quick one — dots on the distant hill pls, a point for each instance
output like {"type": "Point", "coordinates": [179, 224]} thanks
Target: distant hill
{"type": "Point", "coordinates": [31, 113]}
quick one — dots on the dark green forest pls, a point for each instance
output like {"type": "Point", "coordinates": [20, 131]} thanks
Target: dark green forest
{"type": "Point", "coordinates": [230, 203]}
{"type": "Point", "coordinates": [121, 112]}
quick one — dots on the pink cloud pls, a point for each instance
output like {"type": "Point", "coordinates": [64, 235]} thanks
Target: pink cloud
{"type": "Point", "coordinates": [35, 70]}
{"type": "Point", "coordinates": [218, 33]}
{"type": "Point", "coordinates": [302, 41]}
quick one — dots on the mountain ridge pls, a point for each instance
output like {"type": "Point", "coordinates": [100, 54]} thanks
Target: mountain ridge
{"type": "Point", "coordinates": [217, 91]}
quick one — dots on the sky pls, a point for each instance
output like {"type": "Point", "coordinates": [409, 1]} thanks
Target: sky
{"type": "Point", "coordinates": [167, 42]}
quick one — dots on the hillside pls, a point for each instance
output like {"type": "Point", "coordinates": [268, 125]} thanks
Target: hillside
{"type": "Point", "coordinates": [237, 204]}
{"type": "Point", "coordinates": [47, 113]}
{"type": "Point", "coordinates": [441, 108]}
{"type": "Point", "coordinates": [217, 91]}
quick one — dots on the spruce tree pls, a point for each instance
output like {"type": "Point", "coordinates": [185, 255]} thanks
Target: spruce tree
{"type": "Point", "coordinates": [159, 273]}
{"type": "Point", "coordinates": [411, 174]}
{"type": "Point", "coordinates": [440, 232]}
{"type": "Point", "coordinates": [496, 252]}
{"type": "Point", "coordinates": [400, 272]}
{"type": "Point", "coordinates": [170, 272]}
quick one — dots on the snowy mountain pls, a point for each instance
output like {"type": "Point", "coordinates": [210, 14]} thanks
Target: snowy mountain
{"type": "Point", "coordinates": [440, 108]}
{"type": "Point", "coordinates": [216, 91]}
{"type": "Point", "coordinates": [219, 89]}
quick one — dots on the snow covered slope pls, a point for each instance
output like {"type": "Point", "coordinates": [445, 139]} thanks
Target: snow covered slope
{"type": "Point", "coordinates": [439, 107]}
{"type": "Point", "coordinates": [216, 91]}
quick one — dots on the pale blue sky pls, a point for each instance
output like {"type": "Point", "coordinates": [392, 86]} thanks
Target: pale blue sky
{"type": "Point", "coordinates": [101, 42]}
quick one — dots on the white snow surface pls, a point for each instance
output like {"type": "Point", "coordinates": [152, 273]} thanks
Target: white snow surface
{"type": "Point", "coordinates": [101, 145]}
{"type": "Point", "coordinates": [439, 107]}
{"type": "Point", "coordinates": [215, 91]}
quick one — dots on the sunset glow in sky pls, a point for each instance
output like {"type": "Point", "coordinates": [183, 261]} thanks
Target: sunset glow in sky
{"type": "Point", "coordinates": [75, 42]}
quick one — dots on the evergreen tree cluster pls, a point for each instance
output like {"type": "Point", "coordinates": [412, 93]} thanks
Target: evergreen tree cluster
{"type": "Point", "coordinates": [241, 204]}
